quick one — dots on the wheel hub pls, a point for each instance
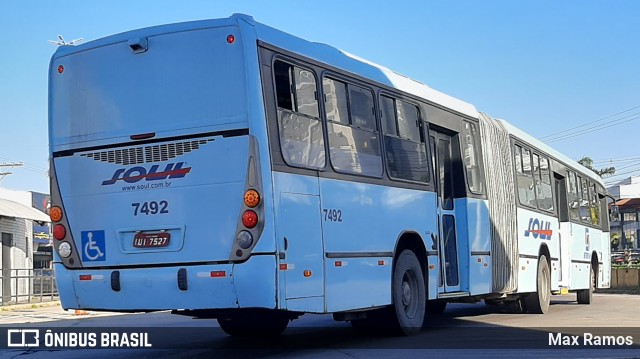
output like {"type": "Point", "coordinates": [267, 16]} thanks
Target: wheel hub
{"type": "Point", "coordinates": [406, 293]}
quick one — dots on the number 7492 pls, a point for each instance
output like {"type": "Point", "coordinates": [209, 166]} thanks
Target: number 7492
{"type": "Point", "coordinates": [332, 215]}
{"type": "Point", "coordinates": [152, 207]}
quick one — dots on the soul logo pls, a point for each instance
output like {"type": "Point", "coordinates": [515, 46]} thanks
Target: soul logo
{"type": "Point", "coordinates": [539, 229]}
{"type": "Point", "coordinates": [138, 173]}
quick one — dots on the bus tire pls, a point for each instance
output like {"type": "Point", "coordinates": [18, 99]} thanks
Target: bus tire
{"type": "Point", "coordinates": [538, 302]}
{"type": "Point", "coordinates": [585, 296]}
{"type": "Point", "coordinates": [408, 294]}
{"type": "Point", "coordinates": [262, 323]}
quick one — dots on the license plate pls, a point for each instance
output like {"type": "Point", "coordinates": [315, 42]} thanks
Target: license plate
{"type": "Point", "coordinates": [151, 240]}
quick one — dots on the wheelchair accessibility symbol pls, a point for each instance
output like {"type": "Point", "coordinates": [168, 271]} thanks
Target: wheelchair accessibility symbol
{"type": "Point", "coordinates": [93, 246]}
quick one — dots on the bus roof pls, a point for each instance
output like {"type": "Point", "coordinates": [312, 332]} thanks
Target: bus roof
{"type": "Point", "coordinates": [516, 132]}
{"type": "Point", "coordinates": [313, 50]}
{"type": "Point", "coordinates": [331, 56]}
{"type": "Point", "coordinates": [358, 66]}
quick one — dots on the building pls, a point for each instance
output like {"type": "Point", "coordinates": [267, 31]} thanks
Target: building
{"type": "Point", "coordinates": [627, 230]}
{"type": "Point", "coordinates": [26, 241]}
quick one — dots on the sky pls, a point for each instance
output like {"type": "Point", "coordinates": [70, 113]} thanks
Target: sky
{"type": "Point", "coordinates": [567, 72]}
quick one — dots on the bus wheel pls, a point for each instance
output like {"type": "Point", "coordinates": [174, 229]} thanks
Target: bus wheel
{"type": "Point", "coordinates": [262, 323]}
{"type": "Point", "coordinates": [585, 296]}
{"type": "Point", "coordinates": [538, 302]}
{"type": "Point", "coordinates": [408, 293]}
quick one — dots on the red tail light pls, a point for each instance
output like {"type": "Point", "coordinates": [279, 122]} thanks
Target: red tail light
{"type": "Point", "coordinates": [249, 219]}
{"type": "Point", "coordinates": [59, 232]}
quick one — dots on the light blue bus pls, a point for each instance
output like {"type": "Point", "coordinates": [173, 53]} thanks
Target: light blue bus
{"type": "Point", "coordinates": [225, 169]}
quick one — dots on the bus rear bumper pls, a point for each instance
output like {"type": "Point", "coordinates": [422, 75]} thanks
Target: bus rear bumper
{"type": "Point", "coordinates": [216, 286]}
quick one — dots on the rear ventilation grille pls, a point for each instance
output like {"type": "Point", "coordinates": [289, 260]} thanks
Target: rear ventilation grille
{"type": "Point", "coordinates": [147, 154]}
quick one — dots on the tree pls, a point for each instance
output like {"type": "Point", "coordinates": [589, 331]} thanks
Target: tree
{"type": "Point", "coordinates": [603, 172]}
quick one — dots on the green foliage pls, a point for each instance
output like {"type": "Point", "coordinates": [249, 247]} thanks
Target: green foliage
{"type": "Point", "coordinates": [603, 172]}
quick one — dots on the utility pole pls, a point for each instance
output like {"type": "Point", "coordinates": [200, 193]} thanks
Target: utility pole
{"type": "Point", "coordinates": [10, 166]}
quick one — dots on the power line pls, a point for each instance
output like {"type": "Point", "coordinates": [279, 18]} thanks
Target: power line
{"type": "Point", "coordinates": [588, 123]}
{"type": "Point", "coordinates": [595, 128]}
{"type": "Point", "coordinates": [613, 161]}
{"type": "Point", "coordinates": [627, 166]}
{"type": "Point", "coordinates": [3, 175]}
{"type": "Point", "coordinates": [27, 166]}
{"type": "Point", "coordinates": [624, 173]}
{"type": "Point", "coordinates": [610, 180]}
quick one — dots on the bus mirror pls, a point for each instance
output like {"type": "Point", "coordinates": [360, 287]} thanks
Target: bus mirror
{"type": "Point", "coordinates": [615, 213]}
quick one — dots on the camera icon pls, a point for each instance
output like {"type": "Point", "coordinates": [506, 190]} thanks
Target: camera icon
{"type": "Point", "coordinates": [20, 338]}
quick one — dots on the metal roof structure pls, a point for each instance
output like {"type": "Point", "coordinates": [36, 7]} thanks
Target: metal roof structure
{"type": "Point", "coordinates": [17, 210]}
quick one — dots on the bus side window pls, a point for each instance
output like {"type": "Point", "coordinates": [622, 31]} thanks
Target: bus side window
{"type": "Point", "coordinates": [470, 157]}
{"type": "Point", "coordinates": [544, 192]}
{"type": "Point", "coordinates": [595, 206]}
{"type": "Point", "coordinates": [301, 133]}
{"type": "Point", "coordinates": [404, 145]}
{"type": "Point", "coordinates": [354, 144]}
{"type": "Point", "coordinates": [526, 192]}
{"type": "Point", "coordinates": [389, 126]}
{"type": "Point", "coordinates": [585, 215]}
{"type": "Point", "coordinates": [574, 199]}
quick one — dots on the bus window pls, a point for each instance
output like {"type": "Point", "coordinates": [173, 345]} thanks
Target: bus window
{"type": "Point", "coordinates": [404, 144]}
{"type": "Point", "coordinates": [526, 193]}
{"type": "Point", "coordinates": [335, 104]}
{"type": "Point", "coordinates": [544, 192]}
{"type": "Point", "coordinates": [354, 145]}
{"type": "Point", "coordinates": [470, 157]}
{"type": "Point", "coordinates": [408, 122]}
{"type": "Point", "coordinates": [301, 134]}
{"type": "Point", "coordinates": [595, 206]}
{"type": "Point", "coordinates": [572, 195]}
{"type": "Point", "coordinates": [361, 108]}
{"type": "Point", "coordinates": [585, 215]}
{"type": "Point", "coordinates": [389, 125]}
{"type": "Point", "coordinates": [518, 159]}
{"type": "Point", "coordinates": [536, 167]}
{"type": "Point", "coordinates": [305, 95]}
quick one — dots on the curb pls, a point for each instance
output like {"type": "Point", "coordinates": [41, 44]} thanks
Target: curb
{"type": "Point", "coordinates": [632, 291]}
{"type": "Point", "coordinates": [32, 305]}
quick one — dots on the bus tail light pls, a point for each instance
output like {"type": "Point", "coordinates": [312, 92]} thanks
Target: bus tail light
{"type": "Point", "coordinates": [55, 213]}
{"type": "Point", "coordinates": [251, 216]}
{"type": "Point", "coordinates": [244, 239]}
{"type": "Point", "coordinates": [64, 249]}
{"type": "Point", "coordinates": [249, 219]}
{"type": "Point", "coordinates": [251, 198]}
{"type": "Point", "coordinates": [59, 232]}
{"type": "Point", "coordinates": [63, 242]}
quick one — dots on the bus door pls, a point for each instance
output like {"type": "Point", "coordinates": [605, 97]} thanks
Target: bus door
{"type": "Point", "coordinates": [300, 230]}
{"type": "Point", "coordinates": [564, 229]}
{"type": "Point", "coordinates": [441, 151]}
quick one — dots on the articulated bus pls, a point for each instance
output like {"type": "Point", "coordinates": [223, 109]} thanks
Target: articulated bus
{"type": "Point", "coordinates": [225, 169]}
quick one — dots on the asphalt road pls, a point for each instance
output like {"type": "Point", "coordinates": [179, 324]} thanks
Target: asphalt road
{"type": "Point", "coordinates": [464, 330]}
